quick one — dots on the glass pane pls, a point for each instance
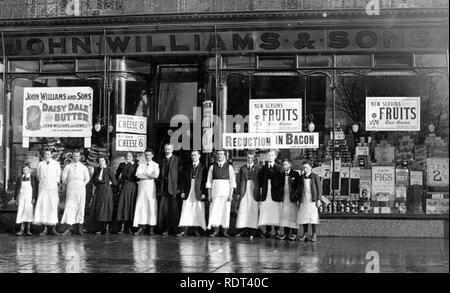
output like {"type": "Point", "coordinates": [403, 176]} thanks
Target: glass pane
{"type": "Point", "coordinates": [393, 60]}
{"type": "Point", "coordinates": [24, 66]}
{"type": "Point", "coordinates": [353, 60]}
{"type": "Point", "coordinates": [277, 63]}
{"type": "Point", "coordinates": [431, 60]}
{"type": "Point", "coordinates": [58, 65]}
{"type": "Point", "coordinates": [239, 62]}
{"type": "Point", "coordinates": [130, 65]}
{"type": "Point", "coordinates": [90, 65]}
{"type": "Point", "coordinates": [314, 61]}
{"type": "Point", "coordinates": [276, 87]}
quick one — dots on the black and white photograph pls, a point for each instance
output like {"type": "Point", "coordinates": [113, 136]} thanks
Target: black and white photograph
{"type": "Point", "coordinates": [224, 142]}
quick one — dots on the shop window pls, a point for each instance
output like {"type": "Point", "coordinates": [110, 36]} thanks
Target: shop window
{"type": "Point", "coordinates": [353, 60]}
{"type": "Point", "coordinates": [58, 65]}
{"type": "Point", "coordinates": [430, 60]}
{"type": "Point", "coordinates": [239, 62]}
{"type": "Point", "coordinates": [90, 65]}
{"type": "Point", "coordinates": [393, 61]}
{"type": "Point", "coordinates": [314, 61]}
{"type": "Point", "coordinates": [23, 66]}
{"type": "Point", "coordinates": [276, 86]}
{"type": "Point", "coordinates": [281, 63]}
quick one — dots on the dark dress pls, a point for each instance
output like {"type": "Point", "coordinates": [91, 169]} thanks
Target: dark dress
{"type": "Point", "coordinates": [127, 195]}
{"type": "Point", "coordinates": [103, 196]}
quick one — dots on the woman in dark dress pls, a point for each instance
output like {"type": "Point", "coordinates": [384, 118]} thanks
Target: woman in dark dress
{"type": "Point", "coordinates": [126, 176]}
{"type": "Point", "coordinates": [103, 196]}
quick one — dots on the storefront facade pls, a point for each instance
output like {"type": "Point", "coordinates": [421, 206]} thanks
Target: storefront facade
{"type": "Point", "coordinates": [332, 56]}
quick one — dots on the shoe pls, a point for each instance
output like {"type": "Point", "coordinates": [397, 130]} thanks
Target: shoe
{"type": "Point", "coordinates": [20, 233]}
{"type": "Point", "coordinates": [107, 232]}
{"type": "Point", "coordinates": [225, 234]}
{"type": "Point", "coordinates": [304, 237]}
{"type": "Point", "coordinates": [281, 237]}
{"type": "Point", "coordinates": [214, 234]}
{"type": "Point", "coordinates": [80, 232]}
{"type": "Point", "coordinates": [43, 233]}
{"type": "Point", "coordinates": [54, 232]}
{"type": "Point", "coordinates": [120, 232]}
{"type": "Point", "coordinates": [313, 238]}
{"type": "Point", "coordinates": [99, 232]}
{"type": "Point", "coordinates": [29, 233]}
{"type": "Point", "coordinates": [130, 232]}
{"type": "Point", "coordinates": [139, 232]}
{"type": "Point", "coordinates": [181, 234]}
{"type": "Point", "coordinates": [165, 233]}
{"type": "Point", "coordinates": [251, 237]}
{"type": "Point", "coordinates": [197, 233]}
{"type": "Point", "coordinates": [67, 233]}
{"type": "Point", "coordinates": [293, 237]}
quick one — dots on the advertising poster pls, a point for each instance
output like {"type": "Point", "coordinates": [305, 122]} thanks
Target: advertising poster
{"type": "Point", "coordinates": [131, 124]}
{"type": "Point", "coordinates": [383, 180]}
{"type": "Point", "coordinates": [57, 112]}
{"type": "Point", "coordinates": [416, 178]}
{"type": "Point", "coordinates": [402, 177]}
{"type": "Point", "coordinates": [437, 172]}
{"type": "Point", "coordinates": [241, 141]}
{"type": "Point", "coordinates": [130, 142]}
{"type": "Point", "coordinates": [393, 114]}
{"type": "Point", "coordinates": [281, 115]}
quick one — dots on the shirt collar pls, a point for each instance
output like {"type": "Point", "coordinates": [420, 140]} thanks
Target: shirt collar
{"type": "Point", "coordinates": [168, 157]}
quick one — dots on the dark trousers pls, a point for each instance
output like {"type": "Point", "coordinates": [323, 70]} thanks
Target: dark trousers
{"type": "Point", "coordinates": [168, 214]}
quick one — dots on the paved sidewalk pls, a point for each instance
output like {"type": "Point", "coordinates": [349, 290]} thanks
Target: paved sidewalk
{"type": "Point", "coordinates": [151, 254]}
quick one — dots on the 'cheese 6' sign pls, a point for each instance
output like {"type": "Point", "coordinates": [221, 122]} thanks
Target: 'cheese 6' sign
{"type": "Point", "coordinates": [437, 170]}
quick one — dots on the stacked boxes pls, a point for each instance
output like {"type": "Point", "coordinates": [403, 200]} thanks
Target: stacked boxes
{"type": "Point", "coordinates": [405, 151]}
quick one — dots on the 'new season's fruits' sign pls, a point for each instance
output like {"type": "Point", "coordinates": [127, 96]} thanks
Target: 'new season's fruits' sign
{"type": "Point", "coordinates": [393, 114]}
{"type": "Point", "coordinates": [277, 115]}
{"type": "Point", "coordinates": [57, 112]}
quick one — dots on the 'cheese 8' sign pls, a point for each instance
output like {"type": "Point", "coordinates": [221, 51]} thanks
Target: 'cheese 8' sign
{"type": "Point", "coordinates": [437, 170]}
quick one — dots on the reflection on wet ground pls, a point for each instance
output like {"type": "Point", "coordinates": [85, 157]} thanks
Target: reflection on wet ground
{"type": "Point", "coordinates": [151, 254]}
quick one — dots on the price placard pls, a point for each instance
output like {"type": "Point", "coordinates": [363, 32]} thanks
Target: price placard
{"type": "Point", "coordinates": [130, 142]}
{"type": "Point", "coordinates": [437, 172]}
{"type": "Point", "coordinates": [131, 124]}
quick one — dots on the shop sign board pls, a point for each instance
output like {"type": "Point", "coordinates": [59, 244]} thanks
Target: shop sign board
{"type": "Point", "coordinates": [240, 141]}
{"type": "Point", "coordinates": [126, 142]}
{"type": "Point", "coordinates": [275, 115]}
{"type": "Point", "coordinates": [393, 114]}
{"type": "Point", "coordinates": [131, 124]}
{"type": "Point", "coordinates": [57, 112]}
{"type": "Point", "coordinates": [383, 180]}
{"type": "Point", "coordinates": [437, 172]}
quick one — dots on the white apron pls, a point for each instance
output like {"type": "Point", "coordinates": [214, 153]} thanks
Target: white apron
{"type": "Point", "coordinates": [25, 208]}
{"type": "Point", "coordinates": [193, 211]}
{"type": "Point", "coordinates": [75, 203]}
{"type": "Point", "coordinates": [308, 212]}
{"type": "Point", "coordinates": [270, 210]}
{"type": "Point", "coordinates": [220, 207]}
{"type": "Point", "coordinates": [289, 212]}
{"type": "Point", "coordinates": [146, 204]}
{"type": "Point", "coordinates": [248, 209]}
{"type": "Point", "coordinates": [46, 212]}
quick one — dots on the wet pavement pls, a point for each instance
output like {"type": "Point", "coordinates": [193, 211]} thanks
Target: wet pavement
{"type": "Point", "coordinates": [151, 254]}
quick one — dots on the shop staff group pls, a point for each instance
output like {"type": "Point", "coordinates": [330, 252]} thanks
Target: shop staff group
{"type": "Point", "coordinates": [169, 199]}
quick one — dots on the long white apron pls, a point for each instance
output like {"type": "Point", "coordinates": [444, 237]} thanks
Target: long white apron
{"type": "Point", "coordinates": [146, 204]}
{"type": "Point", "coordinates": [193, 210]}
{"type": "Point", "coordinates": [220, 207]}
{"type": "Point", "coordinates": [46, 211]}
{"type": "Point", "coordinates": [308, 212]}
{"type": "Point", "coordinates": [75, 203]}
{"type": "Point", "coordinates": [289, 211]}
{"type": "Point", "coordinates": [25, 208]}
{"type": "Point", "coordinates": [248, 209]}
{"type": "Point", "coordinates": [270, 210]}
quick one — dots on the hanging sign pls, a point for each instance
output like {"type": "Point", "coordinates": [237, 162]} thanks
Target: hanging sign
{"type": "Point", "coordinates": [275, 115]}
{"type": "Point", "coordinates": [57, 112]}
{"type": "Point", "coordinates": [131, 124]}
{"type": "Point", "coordinates": [130, 142]}
{"type": "Point", "coordinates": [240, 141]}
{"type": "Point", "coordinates": [437, 172]}
{"type": "Point", "coordinates": [383, 180]}
{"type": "Point", "coordinates": [393, 114]}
